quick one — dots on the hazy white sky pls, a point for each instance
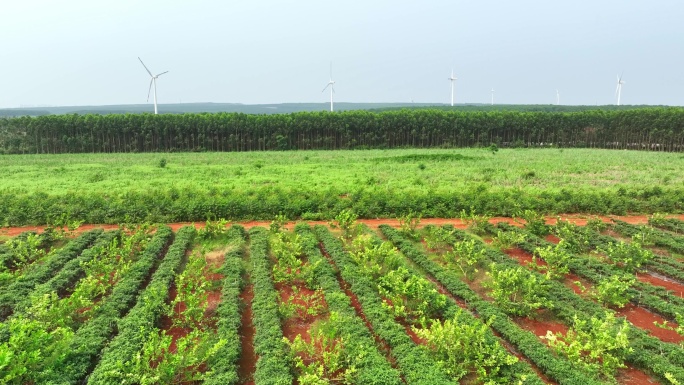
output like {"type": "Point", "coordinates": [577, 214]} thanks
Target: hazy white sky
{"type": "Point", "coordinates": [84, 52]}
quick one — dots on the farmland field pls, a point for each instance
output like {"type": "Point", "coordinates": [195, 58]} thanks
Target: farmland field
{"type": "Point", "coordinates": [173, 187]}
{"type": "Point", "coordinates": [470, 301]}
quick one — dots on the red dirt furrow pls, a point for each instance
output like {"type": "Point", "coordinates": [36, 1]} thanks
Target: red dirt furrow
{"type": "Point", "coordinates": [658, 280]}
{"type": "Point", "coordinates": [634, 376]}
{"type": "Point", "coordinates": [578, 219]}
{"type": "Point", "coordinates": [248, 359]}
{"type": "Point", "coordinates": [552, 238]}
{"type": "Point", "coordinates": [644, 319]}
{"type": "Point", "coordinates": [298, 324]}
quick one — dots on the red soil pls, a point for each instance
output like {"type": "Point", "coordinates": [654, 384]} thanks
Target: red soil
{"type": "Point", "coordinates": [644, 319]}
{"type": "Point", "coordinates": [300, 323]}
{"type": "Point", "coordinates": [166, 322]}
{"type": "Point", "coordinates": [578, 219]}
{"type": "Point", "coordinates": [248, 359]}
{"type": "Point", "coordinates": [658, 280]}
{"type": "Point", "coordinates": [539, 325]}
{"type": "Point", "coordinates": [552, 238]}
{"type": "Point", "coordinates": [633, 376]}
{"type": "Point", "coordinates": [524, 257]}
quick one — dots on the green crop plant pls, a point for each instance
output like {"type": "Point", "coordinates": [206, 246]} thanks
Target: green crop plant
{"type": "Point", "coordinates": [516, 291]}
{"type": "Point", "coordinates": [615, 290]}
{"type": "Point", "coordinates": [557, 260]}
{"type": "Point", "coordinates": [630, 256]}
{"type": "Point", "coordinates": [476, 223]}
{"type": "Point", "coordinates": [461, 347]}
{"type": "Point", "coordinates": [466, 256]}
{"type": "Point", "coordinates": [410, 296]}
{"type": "Point", "coordinates": [600, 345]}
{"type": "Point", "coordinates": [507, 239]}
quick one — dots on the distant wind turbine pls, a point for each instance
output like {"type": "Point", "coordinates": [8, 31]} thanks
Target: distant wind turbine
{"type": "Point", "coordinates": [557, 98]}
{"type": "Point", "coordinates": [452, 79]}
{"type": "Point", "coordinates": [492, 96]}
{"type": "Point", "coordinates": [153, 81]}
{"type": "Point", "coordinates": [618, 90]}
{"type": "Point", "coordinates": [330, 84]}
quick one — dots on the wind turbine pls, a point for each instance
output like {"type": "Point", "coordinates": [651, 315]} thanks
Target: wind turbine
{"type": "Point", "coordinates": [557, 98]}
{"type": "Point", "coordinates": [492, 96]}
{"type": "Point", "coordinates": [153, 81]}
{"type": "Point", "coordinates": [330, 84]}
{"type": "Point", "coordinates": [452, 79]}
{"type": "Point", "coordinates": [618, 90]}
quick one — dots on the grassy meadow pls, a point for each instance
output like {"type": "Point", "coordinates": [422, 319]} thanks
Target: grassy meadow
{"type": "Point", "coordinates": [374, 182]}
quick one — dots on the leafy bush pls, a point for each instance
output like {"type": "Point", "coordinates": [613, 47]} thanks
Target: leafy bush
{"type": "Point", "coordinates": [600, 345]}
{"type": "Point", "coordinates": [516, 291]}
{"type": "Point", "coordinates": [630, 256]}
{"type": "Point", "coordinates": [467, 256]}
{"type": "Point", "coordinates": [557, 260]}
{"type": "Point", "coordinates": [461, 346]}
{"type": "Point", "coordinates": [615, 290]}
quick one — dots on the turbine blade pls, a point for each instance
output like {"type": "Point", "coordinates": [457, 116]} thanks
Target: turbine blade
{"type": "Point", "coordinates": [617, 89]}
{"type": "Point", "coordinates": [326, 87]}
{"type": "Point", "coordinates": [162, 73]}
{"type": "Point", "coordinates": [146, 69]}
{"type": "Point", "coordinates": [149, 90]}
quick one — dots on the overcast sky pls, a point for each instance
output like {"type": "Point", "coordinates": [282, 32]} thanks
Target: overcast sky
{"type": "Point", "coordinates": [84, 52]}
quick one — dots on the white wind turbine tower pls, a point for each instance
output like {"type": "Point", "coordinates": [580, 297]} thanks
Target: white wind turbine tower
{"type": "Point", "coordinates": [492, 96]}
{"type": "Point", "coordinates": [153, 81]}
{"type": "Point", "coordinates": [557, 98]}
{"type": "Point", "coordinates": [618, 90]}
{"type": "Point", "coordinates": [330, 84]}
{"type": "Point", "coordinates": [452, 79]}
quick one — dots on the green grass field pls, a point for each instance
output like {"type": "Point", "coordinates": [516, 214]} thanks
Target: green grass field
{"type": "Point", "coordinates": [321, 180]}
{"type": "Point", "coordinates": [343, 170]}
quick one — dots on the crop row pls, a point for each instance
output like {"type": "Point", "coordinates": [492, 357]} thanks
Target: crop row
{"type": "Point", "coordinates": [18, 290]}
{"type": "Point", "coordinates": [373, 368]}
{"type": "Point", "coordinates": [644, 294]}
{"type": "Point", "coordinates": [649, 353]}
{"type": "Point", "coordinates": [137, 325]}
{"type": "Point", "coordinates": [224, 368]}
{"type": "Point", "coordinates": [529, 344]}
{"type": "Point", "coordinates": [91, 338]}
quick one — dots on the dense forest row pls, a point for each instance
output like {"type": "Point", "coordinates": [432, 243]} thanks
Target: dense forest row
{"type": "Point", "coordinates": [660, 129]}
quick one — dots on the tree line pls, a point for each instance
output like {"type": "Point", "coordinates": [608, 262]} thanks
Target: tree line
{"type": "Point", "coordinates": [659, 129]}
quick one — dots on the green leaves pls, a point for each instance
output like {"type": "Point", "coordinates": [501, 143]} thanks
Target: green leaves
{"type": "Point", "coordinates": [600, 345]}
{"type": "Point", "coordinates": [462, 346]}
{"type": "Point", "coordinates": [516, 291]}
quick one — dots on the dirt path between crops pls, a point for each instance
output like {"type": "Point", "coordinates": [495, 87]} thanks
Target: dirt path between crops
{"type": "Point", "coordinates": [578, 219]}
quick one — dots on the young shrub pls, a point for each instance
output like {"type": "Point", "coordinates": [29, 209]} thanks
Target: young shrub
{"type": "Point", "coordinates": [535, 222]}
{"type": "Point", "coordinates": [506, 239]}
{"type": "Point", "coordinates": [557, 259]}
{"type": "Point", "coordinates": [460, 346]}
{"type": "Point", "coordinates": [516, 291]}
{"type": "Point", "coordinates": [408, 224]}
{"type": "Point", "coordinates": [577, 239]}
{"type": "Point", "coordinates": [614, 291]}
{"type": "Point", "coordinates": [476, 223]}
{"type": "Point", "coordinates": [630, 256]}
{"type": "Point", "coordinates": [410, 297]}
{"type": "Point", "coordinates": [346, 221]}
{"type": "Point", "coordinates": [467, 256]}
{"type": "Point", "coordinates": [598, 345]}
